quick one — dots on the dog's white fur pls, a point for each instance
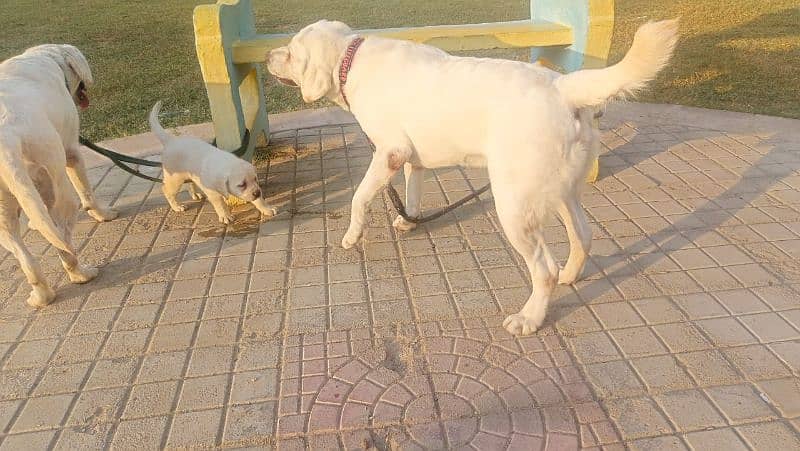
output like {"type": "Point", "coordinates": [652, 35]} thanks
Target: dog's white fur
{"type": "Point", "coordinates": [39, 156]}
{"type": "Point", "coordinates": [216, 172]}
{"type": "Point", "coordinates": [530, 126]}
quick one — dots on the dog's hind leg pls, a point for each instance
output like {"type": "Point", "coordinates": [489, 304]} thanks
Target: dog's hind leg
{"type": "Point", "coordinates": [65, 212]}
{"type": "Point", "coordinates": [194, 192]}
{"type": "Point", "coordinates": [41, 293]}
{"type": "Point", "coordinates": [76, 171]}
{"type": "Point", "coordinates": [525, 235]}
{"type": "Point", "coordinates": [383, 166]}
{"type": "Point", "coordinates": [171, 187]}
{"type": "Point", "coordinates": [580, 239]}
{"type": "Point", "coordinates": [415, 176]}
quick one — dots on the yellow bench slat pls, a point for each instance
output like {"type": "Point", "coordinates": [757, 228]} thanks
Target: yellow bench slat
{"type": "Point", "coordinates": [520, 33]}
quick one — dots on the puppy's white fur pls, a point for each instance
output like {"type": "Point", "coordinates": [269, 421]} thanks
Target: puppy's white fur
{"type": "Point", "coordinates": [39, 156]}
{"type": "Point", "coordinates": [530, 126]}
{"type": "Point", "coordinates": [216, 172]}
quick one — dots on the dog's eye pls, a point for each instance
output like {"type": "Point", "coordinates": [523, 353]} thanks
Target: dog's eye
{"type": "Point", "coordinates": [243, 184]}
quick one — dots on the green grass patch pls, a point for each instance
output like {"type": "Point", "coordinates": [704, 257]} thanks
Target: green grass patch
{"type": "Point", "coordinates": [740, 55]}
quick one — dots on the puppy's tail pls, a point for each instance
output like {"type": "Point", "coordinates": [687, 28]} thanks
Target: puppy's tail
{"type": "Point", "coordinates": [652, 48]}
{"type": "Point", "coordinates": [155, 126]}
{"type": "Point", "coordinates": [14, 175]}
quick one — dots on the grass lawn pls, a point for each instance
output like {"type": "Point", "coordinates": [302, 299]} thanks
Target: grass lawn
{"type": "Point", "coordinates": [741, 55]}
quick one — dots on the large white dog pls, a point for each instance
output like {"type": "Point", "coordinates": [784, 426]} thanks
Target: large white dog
{"type": "Point", "coordinates": [40, 92]}
{"type": "Point", "coordinates": [530, 126]}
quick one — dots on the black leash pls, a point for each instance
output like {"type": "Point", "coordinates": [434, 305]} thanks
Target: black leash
{"type": "Point", "coordinates": [120, 160]}
{"type": "Point", "coordinates": [397, 203]}
{"type": "Point", "coordinates": [401, 209]}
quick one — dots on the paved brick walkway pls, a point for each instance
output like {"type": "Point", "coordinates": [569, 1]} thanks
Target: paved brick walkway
{"type": "Point", "coordinates": [684, 333]}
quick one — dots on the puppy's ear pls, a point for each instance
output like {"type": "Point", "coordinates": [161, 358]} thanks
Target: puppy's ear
{"type": "Point", "coordinates": [77, 63]}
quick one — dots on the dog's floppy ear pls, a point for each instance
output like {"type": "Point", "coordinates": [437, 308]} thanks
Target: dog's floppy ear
{"type": "Point", "coordinates": [316, 51]}
{"type": "Point", "coordinates": [315, 84]}
{"type": "Point", "coordinates": [77, 63]}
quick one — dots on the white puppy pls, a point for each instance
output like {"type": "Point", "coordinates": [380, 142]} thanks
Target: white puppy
{"type": "Point", "coordinates": [530, 126]}
{"type": "Point", "coordinates": [216, 172]}
{"type": "Point", "coordinates": [40, 92]}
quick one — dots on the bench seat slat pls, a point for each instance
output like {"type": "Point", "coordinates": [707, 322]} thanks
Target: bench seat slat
{"type": "Point", "coordinates": [514, 34]}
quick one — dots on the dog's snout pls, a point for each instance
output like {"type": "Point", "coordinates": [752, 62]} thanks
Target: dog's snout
{"type": "Point", "coordinates": [257, 194]}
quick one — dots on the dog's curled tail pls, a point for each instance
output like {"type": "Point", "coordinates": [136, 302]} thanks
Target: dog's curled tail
{"type": "Point", "coordinates": [155, 126]}
{"type": "Point", "coordinates": [16, 179]}
{"type": "Point", "coordinates": [651, 50]}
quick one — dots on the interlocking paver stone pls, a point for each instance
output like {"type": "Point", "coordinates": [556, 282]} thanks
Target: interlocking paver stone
{"type": "Point", "coordinates": [682, 334]}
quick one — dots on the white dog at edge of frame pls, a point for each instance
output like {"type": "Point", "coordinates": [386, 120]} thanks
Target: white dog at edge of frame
{"type": "Point", "coordinates": [40, 93]}
{"type": "Point", "coordinates": [528, 125]}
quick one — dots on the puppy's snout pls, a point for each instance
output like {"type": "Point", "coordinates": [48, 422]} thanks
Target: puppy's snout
{"type": "Point", "coordinates": [257, 194]}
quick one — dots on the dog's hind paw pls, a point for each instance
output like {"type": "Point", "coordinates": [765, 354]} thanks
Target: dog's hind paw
{"type": "Point", "coordinates": [180, 208]}
{"type": "Point", "coordinates": [82, 274]}
{"type": "Point", "coordinates": [401, 225]}
{"type": "Point", "coordinates": [102, 214]}
{"type": "Point", "coordinates": [569, 275]}
{"type": "Point", "coordinates": [519, 324]}
{"type": "Point", "coordinates": [41, 296]}
{"type": "Point", "coordinates": [197, 196]}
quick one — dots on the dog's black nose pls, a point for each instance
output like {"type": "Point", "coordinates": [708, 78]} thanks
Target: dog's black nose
{"type": "Point", "coordinates": [257, 194]}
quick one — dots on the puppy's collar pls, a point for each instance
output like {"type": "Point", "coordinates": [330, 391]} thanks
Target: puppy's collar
{"type": "Point", "coordinates": [347, 62]}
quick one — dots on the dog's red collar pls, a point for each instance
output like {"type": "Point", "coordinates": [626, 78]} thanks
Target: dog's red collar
{"type": "Point", "coordinates": [347, 62]}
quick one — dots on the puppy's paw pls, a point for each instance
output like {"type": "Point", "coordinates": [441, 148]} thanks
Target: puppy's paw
{"type": "Point", "coordinates": [41, 296]}
{"type": "Point", "coordinates": [82, 274]}
{"type": "Point", "coordinates": [268, 213]}
{"type": "Point", "coordinates": [401, 225]}
{"type": "Point", "coordinates": [102, 214]}
{"type": "Point", "coordinates": [198, 196]}
{"type": "Point", "coordinates": [226, 219]}
{"type": "Point", "coordinates": [519, 324]}
{"type": "Point", "coordinates": [350, 239]}
{"type": "Point", "coordinates": [180, 208]}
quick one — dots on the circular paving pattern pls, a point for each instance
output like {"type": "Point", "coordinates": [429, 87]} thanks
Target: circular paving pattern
{"type": "Point", "coordinates": [470, 394]}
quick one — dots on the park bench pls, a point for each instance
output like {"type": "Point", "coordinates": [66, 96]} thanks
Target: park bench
{"type": "Point", "coordinates": [566, 35]}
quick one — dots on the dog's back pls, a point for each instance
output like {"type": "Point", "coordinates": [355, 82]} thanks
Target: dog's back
{"type": "Point", "coordinates": [187, 154]}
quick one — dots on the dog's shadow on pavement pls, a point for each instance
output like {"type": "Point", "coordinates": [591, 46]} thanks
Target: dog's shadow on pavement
{"type": "Point", "coordinates": [761, 168]}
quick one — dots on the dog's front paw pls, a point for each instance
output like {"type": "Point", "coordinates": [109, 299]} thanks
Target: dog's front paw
{"type": "Point", "coordinates": [351, 238]}
{"type": "Point", "coordinates": [102, 214]}
{"type": "Point", "coordinates": [401, 225]}
{"type": "Point", "coordinates": [82, 273]}
{"type": "Point", "coordinates": [519, 324]}
{"type": "Point", "coordinates": [268, 213]}
{"type": "Point", "coordinates": [226, 219]}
